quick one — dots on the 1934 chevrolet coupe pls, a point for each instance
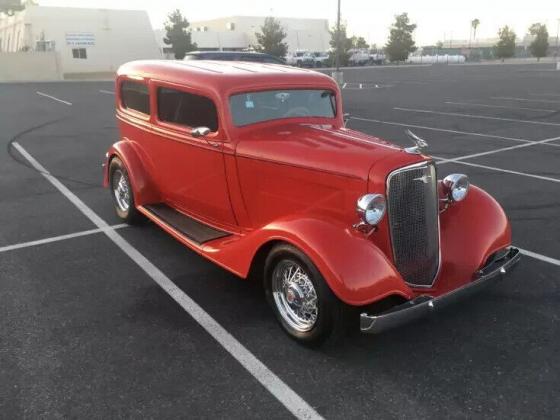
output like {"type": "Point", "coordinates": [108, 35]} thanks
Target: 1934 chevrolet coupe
{"type": "Point", "coordinates": [251, 166]}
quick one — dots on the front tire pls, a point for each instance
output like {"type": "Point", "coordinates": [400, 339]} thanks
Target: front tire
{"type": "Point", "coordinates": [301, 300]}
{"type": "Point", "coordinates": [122, 193]}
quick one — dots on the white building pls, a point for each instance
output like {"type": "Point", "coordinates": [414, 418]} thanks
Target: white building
{"type": "Point", "coordinates": [238, 33]}
{"type": "Point", "coordinates": [86, 40]}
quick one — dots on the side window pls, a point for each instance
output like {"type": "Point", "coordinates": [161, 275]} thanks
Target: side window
{"type": "Point", "coordinates": [135, 96]}
{"type": "Point", "coordinates": [186, 109]}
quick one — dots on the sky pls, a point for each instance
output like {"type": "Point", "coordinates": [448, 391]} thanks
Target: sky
{"type": "Point", "coordinates": [436, 19]}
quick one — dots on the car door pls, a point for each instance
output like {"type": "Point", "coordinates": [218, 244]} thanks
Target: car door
{"type": "Point", "coordinates": [191, 170]}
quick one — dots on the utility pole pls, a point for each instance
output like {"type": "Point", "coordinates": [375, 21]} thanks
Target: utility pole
{"type": "Point", "coordinates": [338, 38]}
{"type": "Point", "coordinates": [557, 50]}
{"type": "Point", "coordinates": [337, 74]}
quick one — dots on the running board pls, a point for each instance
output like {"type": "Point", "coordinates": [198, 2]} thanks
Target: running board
{"type": "Point", "coordinates": [185, 225]}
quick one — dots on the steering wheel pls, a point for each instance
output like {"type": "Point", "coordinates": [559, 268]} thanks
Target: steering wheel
{"type": "Point", "coordinates": [298, 111]}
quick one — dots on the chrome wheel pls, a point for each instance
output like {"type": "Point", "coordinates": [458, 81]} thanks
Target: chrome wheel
{"type": "Point", "coordinates": [294, 295]}
{"type": "Point", "coordinates": [121, 190]}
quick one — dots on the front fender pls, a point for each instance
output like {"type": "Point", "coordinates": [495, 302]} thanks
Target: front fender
{"type": "Point", "coordinates": [355, 269]}
{"type": "Point", "coordinates": [471, 231]}
{"type": "Point", "coordinates": [143, 187]}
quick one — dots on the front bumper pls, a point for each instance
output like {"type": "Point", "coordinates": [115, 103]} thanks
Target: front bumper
{"type": "Point", "coordinates": [425, 304]}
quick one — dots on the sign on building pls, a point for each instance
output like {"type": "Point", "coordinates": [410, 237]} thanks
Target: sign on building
{"type": "Point", "coordinates": [80, 39]}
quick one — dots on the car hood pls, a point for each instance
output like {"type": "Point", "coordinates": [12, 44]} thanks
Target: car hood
{"type": "Point", "coordinates": [321, 147]}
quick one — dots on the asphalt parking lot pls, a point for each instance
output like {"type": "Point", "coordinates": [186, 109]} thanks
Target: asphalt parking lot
{"type": "Point", "coordinates": [86, 332]}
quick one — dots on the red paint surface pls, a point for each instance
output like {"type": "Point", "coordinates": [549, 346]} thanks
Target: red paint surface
{"type": "Point", "coordinates": [294, 180]}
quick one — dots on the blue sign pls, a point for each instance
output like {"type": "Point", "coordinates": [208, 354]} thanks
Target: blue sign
{"type": "Point", "coordinates": [80, 39]}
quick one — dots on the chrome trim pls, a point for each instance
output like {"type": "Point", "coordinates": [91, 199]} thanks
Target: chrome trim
{"type": "Point", "coordinates": [363, 203]}
{"type": "Point", "coordinates": [200, 132]}
{"type": "Point", "coordinates": [451, 181]}
{"type": "Point", "coordinates": [388, 212]}
{"type": "Point", "coordinates": [424, 304]}
{"type": "Point", "coordinates": [419, 143]}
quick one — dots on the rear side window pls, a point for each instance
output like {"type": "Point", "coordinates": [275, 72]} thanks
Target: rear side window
{"type": "Point", "coordinates": [135, 96]}
{"type": "Point", "coordinates": [186, 109]}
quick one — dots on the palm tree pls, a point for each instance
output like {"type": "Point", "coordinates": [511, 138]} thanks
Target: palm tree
{"type": "Point", "coordinates": [474, 25]}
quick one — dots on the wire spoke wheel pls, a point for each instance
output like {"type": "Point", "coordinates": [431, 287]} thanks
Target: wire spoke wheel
{"type": "Point", "coordinates": [121, 190]}
{"type": "Point", "coordinates": [294, 295]}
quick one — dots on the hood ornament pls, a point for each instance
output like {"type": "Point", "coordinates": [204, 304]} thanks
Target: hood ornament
{"type": "Point", "coordinates": [420, 144]}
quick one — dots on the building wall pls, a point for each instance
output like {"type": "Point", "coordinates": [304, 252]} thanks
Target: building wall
{"type": "Point", "coordinates": [302, 34]}
{"type": "Point", "coordinates": [27, 66]}
{"type": "Point", "coordinates": [109, 37]}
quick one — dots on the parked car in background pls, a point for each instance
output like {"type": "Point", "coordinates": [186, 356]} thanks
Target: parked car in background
{"type": "Point", "coordinates": [321, 59]}
{"type": "Point", "coordinates": [252, 167]}
{"type": "Point", "coordinates": [377, 58]}
{"type": "Point", "coordinates": [358, 57]}
{"type": "Point", "coordinates": [300, 59]}
{"type": "Point", "coordinates": [256, 57]}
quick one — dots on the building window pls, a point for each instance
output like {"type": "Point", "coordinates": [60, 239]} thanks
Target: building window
{"type": "Point", "coordinates": [135, 96]}
{"type": "Point", "coordinates": [186, 109]}
{"type": "Point", "coordinates": [80, 53]}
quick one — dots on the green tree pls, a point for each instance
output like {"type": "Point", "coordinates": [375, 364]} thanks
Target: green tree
{"type": "Point", "coordinates": [177, 34]}
{"type": "Point", "coordinates": [400, 43]}
{"type": "Point", "coordinates": [539, 46]}
{"type": "Point", "coordinates": [271, 38]}
{"type": "Point", "coordinates": [505, 48]}
{"type": "Point", "coordinates": [9, 7]}
{"type": "Point", "coordinates": [345, 45]}
{"type": "Point", "coordinates": [359, 42]}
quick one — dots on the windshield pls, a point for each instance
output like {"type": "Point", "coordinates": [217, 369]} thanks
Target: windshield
{"type": "Point", "coordinates": [254, 107]}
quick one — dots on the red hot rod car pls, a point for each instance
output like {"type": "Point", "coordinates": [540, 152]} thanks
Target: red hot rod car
{"type": "Point", "coordinates": [251, 166]}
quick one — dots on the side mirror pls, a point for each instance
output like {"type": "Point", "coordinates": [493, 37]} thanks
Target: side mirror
{"type": "Point", "coordinates": [346, 117]}
{"type": "Point", "coordinates": [200, 132]}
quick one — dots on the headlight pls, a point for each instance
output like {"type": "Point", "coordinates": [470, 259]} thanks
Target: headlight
{"type": "Point", "coordinates": [456, 186]}
{"type": "Point", "coordinates": [371, 208]}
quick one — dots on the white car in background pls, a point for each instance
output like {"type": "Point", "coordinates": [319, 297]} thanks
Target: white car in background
{"type": "Point", "coordinates": [358, 57]}
{"type": "Point", "coordinates": [300, 59]}
{"type": "Point", "coordinates": [321, 59]}
{"type": "Point", "coordinates": [377, 58]}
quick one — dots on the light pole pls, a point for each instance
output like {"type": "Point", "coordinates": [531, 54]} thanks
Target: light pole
{"type": "Point", "coordinates": [337, 56]}
{"type": "Point", "coordinates": [557, 50]}
{"type": "Point", "coordinates": [337, 74]}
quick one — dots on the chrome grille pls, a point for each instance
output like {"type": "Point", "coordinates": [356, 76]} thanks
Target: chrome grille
{"type": "Point", "coordinates": [414, 225]}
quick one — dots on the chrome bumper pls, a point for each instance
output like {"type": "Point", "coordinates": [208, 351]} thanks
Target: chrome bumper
{"type": "Point", "coordinates": [425, 304]}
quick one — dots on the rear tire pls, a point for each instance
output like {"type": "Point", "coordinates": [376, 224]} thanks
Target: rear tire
{"type": "Point", "coordinates": [122, 193]}
{"type": "Point", "coordinates": [304, 305]}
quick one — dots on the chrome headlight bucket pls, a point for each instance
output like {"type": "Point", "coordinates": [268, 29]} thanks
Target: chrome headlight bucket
{"type": "Point", "coordinates": [371, 208]}
{"type": "Point", "coordinates": [456, 187]}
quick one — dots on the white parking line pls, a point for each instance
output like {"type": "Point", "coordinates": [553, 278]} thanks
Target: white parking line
{"type": "Point", "coordinates": [482, 117]}
{"type": "Point", "coordinates": [53, 98]}
{"type": "Point", "coordinates": [492, 168]}
{"type": "Point", "coordinates": [545, 94]}
{"type": "Point", "coordinates": [292, 401]}
{"type": "Point", "coordinates": [446, 130]}
{"type": "Point", "coordinates": [541, 257]}
{"type": "Point", "coordinates": [108, 92]}
{"type": "Point", "coordinates": [507, 98]}
{"type": "Point", "coordinates": [503, 149]}
{"type": "Point", "coordinates": [57, 238]}
{"type": "Point", "coordinates": [500, 106]}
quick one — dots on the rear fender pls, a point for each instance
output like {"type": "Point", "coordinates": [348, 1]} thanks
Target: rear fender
{"type": "Point", "coordinates": [142, 185]}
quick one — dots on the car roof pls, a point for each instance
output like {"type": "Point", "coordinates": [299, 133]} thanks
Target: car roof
{"type": "Point", "coordinates": [225, 76]}
{"type": "Point", "coordinates": [228, 53]}
{"type": "Point", "coordinates": [234, 55]}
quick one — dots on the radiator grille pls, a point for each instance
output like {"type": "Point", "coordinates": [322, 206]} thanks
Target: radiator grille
{"type": "Point", "coordinates": [413, 217]}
